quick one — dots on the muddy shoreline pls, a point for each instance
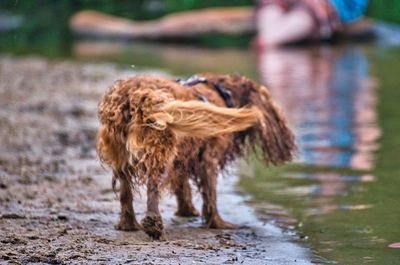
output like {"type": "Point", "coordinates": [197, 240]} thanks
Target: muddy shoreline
{"type": "Point", "coordinates": [56, 202]}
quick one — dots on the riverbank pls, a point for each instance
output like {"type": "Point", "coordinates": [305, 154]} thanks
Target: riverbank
{"type": "Point", "coordinates": [56, 201]}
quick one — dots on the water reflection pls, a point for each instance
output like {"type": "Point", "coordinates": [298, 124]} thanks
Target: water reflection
{"type": "Point", "coordinates": [177, 59]}
{"type": "Point", "coordinates": [329, 184]}
{"type": "Point", "coordinates": [329, 98]}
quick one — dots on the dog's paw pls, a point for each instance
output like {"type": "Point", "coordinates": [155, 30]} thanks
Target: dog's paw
{"type": "Point", "coordinates": [187, 212]}
{"type": "Point", "coordinates": [124, 225]}
{"type": "Point", "coordinates": [218, 223]}
{"type": "Point", "coordinates": [154, 227]}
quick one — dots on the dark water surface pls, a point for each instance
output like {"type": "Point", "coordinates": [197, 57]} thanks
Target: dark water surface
{"type": "Point", "coordinates": [342, 195]}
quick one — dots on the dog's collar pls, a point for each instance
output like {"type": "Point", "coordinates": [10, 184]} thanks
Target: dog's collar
{"type": "Point", "coordinates": [224, 93]}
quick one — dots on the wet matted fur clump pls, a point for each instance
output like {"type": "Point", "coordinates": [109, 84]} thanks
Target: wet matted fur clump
{"type": "Point", "coordinates": [160, 133]}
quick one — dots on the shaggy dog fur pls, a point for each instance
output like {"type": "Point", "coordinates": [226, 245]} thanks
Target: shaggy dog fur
{"type": "Point", "coordinates": [159, 132]}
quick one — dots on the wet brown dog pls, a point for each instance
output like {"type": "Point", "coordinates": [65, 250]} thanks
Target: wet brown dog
{"type": "Point", "coordinates": [161, 132]}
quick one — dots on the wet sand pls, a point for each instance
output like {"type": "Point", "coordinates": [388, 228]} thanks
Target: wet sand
{"type": "Point", "coordinates": [56, 202]}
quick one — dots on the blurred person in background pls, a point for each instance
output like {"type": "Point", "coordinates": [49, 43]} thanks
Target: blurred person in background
{"type": "Point", "coordinates": [288, 21]}
{"type": "Point", "coordinates": [277, 22]}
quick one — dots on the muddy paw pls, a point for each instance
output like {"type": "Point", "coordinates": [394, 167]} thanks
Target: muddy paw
{"type": "Point", "coordinates": [187, 212]}
{"type": "Point", "coordinates": [218, 223]}
{"type": "Point", "coordinates": [153, 226]}
{"type": "Point", "coordinates": [125, 225]}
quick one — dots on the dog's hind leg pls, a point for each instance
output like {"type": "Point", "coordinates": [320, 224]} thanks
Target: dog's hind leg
{"type": "Point", "coordinates": [127, 220]}
{"type": "Point", "coordinates": [208, 185]}
{"type": "Point", "coordinates": [181, 188]}
{"type": "Point", "coordinates": [152, 223]}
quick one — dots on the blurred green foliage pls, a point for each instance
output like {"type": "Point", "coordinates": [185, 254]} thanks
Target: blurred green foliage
{"type": "Point", "coordinates": [180, 5]}
{"type": "Point", "coordinates": [134, 9]}
{"type": "Point", "coordinates": [387, 10]}
{"type": "Point", "coordinates": [45, 22]}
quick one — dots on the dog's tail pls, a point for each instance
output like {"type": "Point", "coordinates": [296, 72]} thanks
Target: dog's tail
{"type": "Point", "coordinates": [189, 118]}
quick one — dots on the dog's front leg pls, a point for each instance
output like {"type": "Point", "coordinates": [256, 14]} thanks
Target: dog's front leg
{"type": "Point", "coordinates": [182, 191]}
{"type": "Point", "coordinates": [152, 223]}
{"type": "Point", "coordinates": [208, 188]}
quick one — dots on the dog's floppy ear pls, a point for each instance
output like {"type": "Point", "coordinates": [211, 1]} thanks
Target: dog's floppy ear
{"type": "Point", "coordinates": [272, 132]}
{"type": "Point", "coordinates": [143, 103]}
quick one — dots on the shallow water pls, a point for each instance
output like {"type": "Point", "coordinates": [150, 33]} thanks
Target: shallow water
{"type": "Point", "coordinates": [341, 197]}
